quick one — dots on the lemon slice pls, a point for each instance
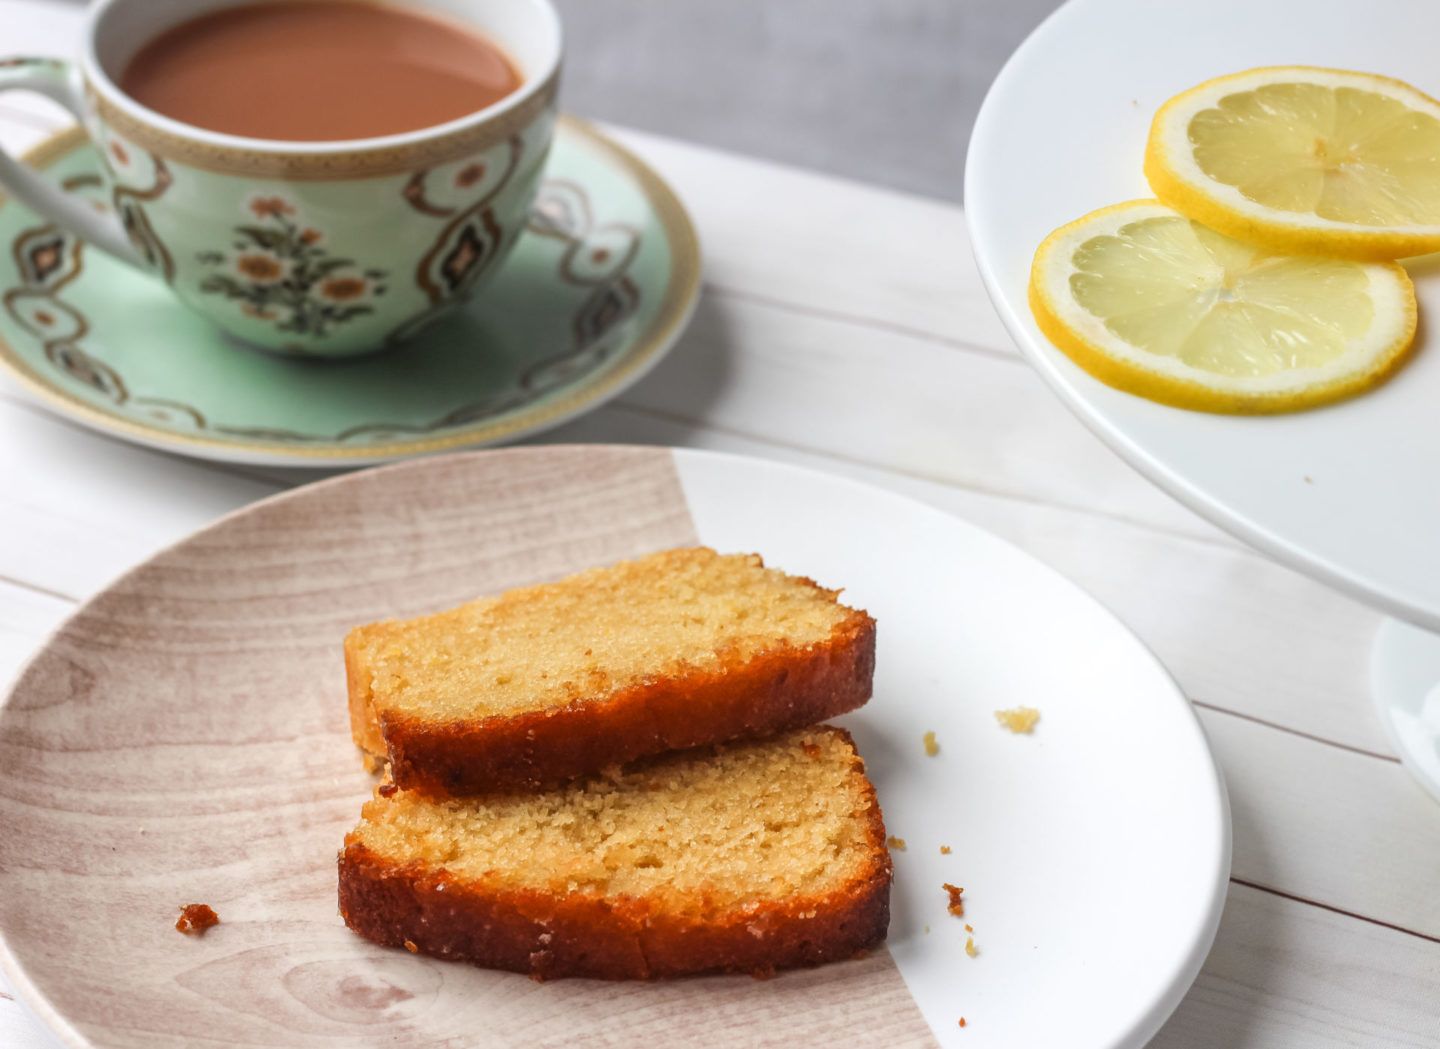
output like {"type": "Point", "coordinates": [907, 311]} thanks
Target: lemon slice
{"type": "Point", "coordinates": [1156, 304]}
{"type": "Point", "coordinates": [1304, 160]}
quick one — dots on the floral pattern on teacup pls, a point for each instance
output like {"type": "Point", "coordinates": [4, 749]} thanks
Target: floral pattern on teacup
{"type": "Point", "coordinates": [279, 270]}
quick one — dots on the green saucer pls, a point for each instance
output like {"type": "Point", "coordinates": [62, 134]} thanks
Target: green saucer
{"type": "Point", "coordinates": [597, 290]}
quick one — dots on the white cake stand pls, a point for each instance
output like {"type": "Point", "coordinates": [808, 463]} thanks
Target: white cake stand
{"type": "Point", "coordinates": [1349, 494]}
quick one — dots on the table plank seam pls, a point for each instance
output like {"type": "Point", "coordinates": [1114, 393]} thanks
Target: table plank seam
{"type": "Point", "coordinates": [1219, 541]}
{"type": "Point", "coordinates": [860, 320]}
{"type": "Point", "coordinates": [1334, 910]}
{"type": "Point", "coordinates": [36, 588]}
{"type": "Point", "coordinates": [1295, 731]}
{"type": "Point", "coordinates": [21, 400]}
{"type": "Point", "coordinates": [31, 120]}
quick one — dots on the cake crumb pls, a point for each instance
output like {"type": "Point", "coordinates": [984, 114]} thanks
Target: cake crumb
{"type": "Point", "coordinates": [195, 918]}
{"type": "Point", "coordinates": [1021, 719]}
{"type": "Point", "coordinates": [944, 850]}
{"type": "Point", "coordinates": [927, 930]}
{"type": "Point", "coordinates": [931, 747]}
{"type": "Point", "coordinates": [957, 905]}
{"type": "Point", "coordinates": [970, 948]}
{"type": "Point", "coordinates": [969, 928]}
{"type": "Point", "coordinates": [410, 946]}
{"type": "Point", "coordinates": [896, 843]}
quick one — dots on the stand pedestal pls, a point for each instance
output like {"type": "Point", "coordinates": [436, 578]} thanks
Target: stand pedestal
{"type": "Point", "coordinates": [1405, 680]}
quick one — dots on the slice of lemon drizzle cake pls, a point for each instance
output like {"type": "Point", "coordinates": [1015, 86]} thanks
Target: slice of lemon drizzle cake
{"type": "Point", "coordinates": [545, 683]}
{"type": "Point", "coordinates": [741, 857]}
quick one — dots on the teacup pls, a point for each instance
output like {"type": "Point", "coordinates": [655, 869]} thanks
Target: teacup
{"type": "Point", "coordinates": [311, 248]}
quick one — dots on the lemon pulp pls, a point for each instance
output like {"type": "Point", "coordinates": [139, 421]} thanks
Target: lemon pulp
{"type": "Point", "coordinates": [1341, 153]}
{"type": "Point", "coordinates": [1174, 288]}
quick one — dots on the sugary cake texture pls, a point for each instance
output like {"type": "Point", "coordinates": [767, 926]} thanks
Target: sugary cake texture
{"type": "Point", "coordinates": [678, 649]}
{"type": "Point", "coordinates": [744, 857]}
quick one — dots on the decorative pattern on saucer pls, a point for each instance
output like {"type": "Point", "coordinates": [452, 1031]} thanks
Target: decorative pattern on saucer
{"type": "Point", "coordinates": [596, 288]}
{"type": "Point", "coordinates": [47, 259]}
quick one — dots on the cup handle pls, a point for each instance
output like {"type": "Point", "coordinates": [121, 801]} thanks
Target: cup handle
{"type": "Point", "coordinates": [60, 81]}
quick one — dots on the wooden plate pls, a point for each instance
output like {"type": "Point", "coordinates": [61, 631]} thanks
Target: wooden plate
{"type": "Point", "coordinates": [183, 738]}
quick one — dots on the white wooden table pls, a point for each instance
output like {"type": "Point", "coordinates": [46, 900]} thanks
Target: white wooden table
{"type": "Point", "coordinates": [844, 328]}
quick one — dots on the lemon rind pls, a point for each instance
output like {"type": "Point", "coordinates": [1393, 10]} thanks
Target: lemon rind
{"type": "Point", "coordinates": [1177, 180]}
{"type": "Point", "coordinates": [1084, 339]}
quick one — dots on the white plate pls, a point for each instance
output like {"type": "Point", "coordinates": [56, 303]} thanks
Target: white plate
{"type": "Point", "coordinates": [1346, 493]}
{"type": "Point", "coordinates": [1094, 853]}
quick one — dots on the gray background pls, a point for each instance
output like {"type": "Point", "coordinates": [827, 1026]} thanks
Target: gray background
{"type": "Point", "coordinates": [884, 91]}
{"type": "Point", "coordinates": [879, 90]}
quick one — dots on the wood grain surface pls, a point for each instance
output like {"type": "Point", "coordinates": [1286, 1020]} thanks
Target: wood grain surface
{"type": "Point", "coordinates": [183, 738]}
